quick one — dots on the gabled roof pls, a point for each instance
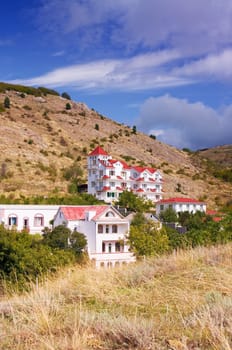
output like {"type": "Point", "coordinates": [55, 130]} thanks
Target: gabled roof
{"type": "Point", "coordinates": [78, 212]}
{"type": "Point", "coordinates": [140, 169]}
{"type": "Point", "coordinates": [98, 151]}
{"type": "Point", "coordinates": [124, 164]}
{"type": "Point", "coordinates": [180, 200]}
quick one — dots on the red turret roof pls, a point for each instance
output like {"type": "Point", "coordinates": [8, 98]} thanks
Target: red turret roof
{"type": "Point", "coordinates": [98, 151]}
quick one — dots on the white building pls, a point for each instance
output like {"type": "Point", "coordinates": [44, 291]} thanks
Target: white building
{"type": "Point", "coordinates": [180, 205]}
{"type": "Point", "coordinates": [108, 178]}
{"type": "Point", "coordinates": [105, 229]}
{"type": "Point", "coordinates": [33, 218]}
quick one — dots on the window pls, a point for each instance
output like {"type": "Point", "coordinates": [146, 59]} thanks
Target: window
{"type": "Point", "coordinates": [101, 172]}
{"type": "Point", "coordinates": [114, 229]}
{"type": "Point", "coordinates": [12, 220]}
{"type": "Point", "coordinates": [94, 162]}
{"type": "Point", "coordinates": [161, 207]}
{"type": "Point", "coordinates": [25, 223]}
{"type": "Point", "coordinates": [103, 247]}
{"type": "Point", "coordinates": [112, 184]}
{"type": "Point", "coordinates": [110, 214]}
{"type": "Point", "coordinates": [38, 220]}
{"type": "Point", "coordinates": [112, 172]}
{"type": "Point", "coordinates": [93, 184]}
{"type": "Point", "coordinates": [110, 247]}
{"type": "Point", "coordinates": [123, 184]}
{"type": "Point", "coordinates": [94, 172]}
{"type": "Point", "coordinates": [107, 229]}
{"type": "Point", "coordinates": [100, 229]}
{"type": "Point", "coordinates": [110, 194]}
{"type": "Point", "coordinates": [117, 247]}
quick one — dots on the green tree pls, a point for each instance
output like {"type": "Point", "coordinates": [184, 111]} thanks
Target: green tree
{"type": "Point", "coordinates": [146, 240]}
{"type": "Point", "coordinates": [66, 95]}
{"type": "Point", "coordinates": [68, 106]}
{"type": "Point", "coordinates": [96, 127]}
{"type": "Point", "coordinates": [133, 202]}
{"type": "Point", "coordinates": [168, 215]}
{"type": "Point", "coordinates": [7, 102]}
{"type": "Point", "coordinates": [62, 237]}
{"type": "Point", "coordinates": [134, 129]}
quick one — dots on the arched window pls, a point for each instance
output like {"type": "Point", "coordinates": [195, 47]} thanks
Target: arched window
{"type": "Point", "coordinates": [114, 229]}
{"type": "Point", "coordinates": [12, 220]}
{"type": "Point", "coordinates": [110, 214]}
{"type": "Point", "coordinates": [38, 220]}
{"type": "Point", "coordinates": [100, 229]}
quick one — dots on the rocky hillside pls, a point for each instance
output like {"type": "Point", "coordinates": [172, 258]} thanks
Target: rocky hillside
{"type": "Point", "coordinates": [41, 136]}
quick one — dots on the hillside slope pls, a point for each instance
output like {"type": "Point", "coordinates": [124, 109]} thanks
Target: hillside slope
{"type": "Point", "coordinates": [40, 138]}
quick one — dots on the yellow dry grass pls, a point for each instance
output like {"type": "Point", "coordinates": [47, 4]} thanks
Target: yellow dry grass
{"type": "Point", "coordinates": [177, 302]}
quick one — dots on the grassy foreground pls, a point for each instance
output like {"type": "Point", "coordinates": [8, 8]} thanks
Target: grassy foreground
{"type": "Point", "coordinates": [178, 302]}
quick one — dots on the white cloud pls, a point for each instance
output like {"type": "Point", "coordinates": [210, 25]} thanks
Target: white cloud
{"type": "Point", "coordinates": [214, 66]}
{"type": "Point", "coordinates": [184, 124]}
{"type": "Point", "coordinates": [137, 73]}
{"type": "Point", "coordinates": [190, 26]}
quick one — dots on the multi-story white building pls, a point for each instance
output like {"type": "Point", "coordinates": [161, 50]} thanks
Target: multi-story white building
{"type": "Point", "coordinates": [105, 229]}
{"type": "Point", "coordinates": [33, 218]}
{"type": "Point", "coordinates": [180, 205]}
{"type": "Point", "coordinates": [108, 178]}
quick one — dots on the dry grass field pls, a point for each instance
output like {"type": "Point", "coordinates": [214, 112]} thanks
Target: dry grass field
{"type": "Point", "coordinates": [177, 302]}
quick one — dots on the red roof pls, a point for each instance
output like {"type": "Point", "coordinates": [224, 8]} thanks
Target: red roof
{"type": "Point", "coordinates": [124, 164]}
{"type": "Point", "coordinates": [140, 190]}
{"type": "Point", "coordinates": [105, 177]}
{"type": "Point", "coordinates": [140, 169]}
{"type": "Point", "coordinates": [180, 200]}
{"type": "Point", "coordinates": [98, 151]}
{"type": "Point", "coordinates": [78, 212]}
{"type": "Point", "coordinates": [106, 188]}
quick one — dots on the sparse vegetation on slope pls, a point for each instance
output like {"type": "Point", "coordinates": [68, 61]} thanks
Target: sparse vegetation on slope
{"type": "Point", "coordinates": [40, 138]}
{"type": "Point", "coordinates": [182, 301]}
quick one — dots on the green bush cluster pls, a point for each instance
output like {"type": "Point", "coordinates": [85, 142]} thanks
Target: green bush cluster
{"type": "Point", "coordinates": [25, 257]}
{"type": "Point", "coordinates": [27, 90]}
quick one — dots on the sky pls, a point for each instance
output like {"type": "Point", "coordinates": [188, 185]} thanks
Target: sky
{"type": "Point", "coordinates": [164, 66]}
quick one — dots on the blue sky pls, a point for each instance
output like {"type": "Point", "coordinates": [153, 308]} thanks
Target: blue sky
{"type": "Point", "coordinates": [164, 66]}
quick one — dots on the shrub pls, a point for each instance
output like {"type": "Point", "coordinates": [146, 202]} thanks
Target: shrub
{"type": "Point", "coordinates": [68, 106]}
{"type": "Point", "coordinates": [66, 95]}
{"type": "Point", "coordinates": [7, 102]}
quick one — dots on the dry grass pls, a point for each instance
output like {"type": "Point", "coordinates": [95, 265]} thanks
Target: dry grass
{"type": "Point", "coordinates": [179, 302]}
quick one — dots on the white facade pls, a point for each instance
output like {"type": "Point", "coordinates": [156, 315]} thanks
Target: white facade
{"type": "Point", "coordinates": [180, 205]}
{"type": "Point", "coordinates": [108, 178]}
{"type": "Point", "coordinates": [105, 230]}
{"type": "Point", "coordinates": [33, 218]}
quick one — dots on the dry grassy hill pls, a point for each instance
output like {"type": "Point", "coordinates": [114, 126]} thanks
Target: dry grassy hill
{"type": "Point", "coordinates": [179, 302]}
{"type": "Point", "coordinates": [40, 138]}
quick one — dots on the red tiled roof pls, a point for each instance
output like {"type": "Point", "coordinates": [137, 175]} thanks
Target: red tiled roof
{"type": "Point", "coordinates": [180, 200]}
{"type": "Point", "coordinates": [78, 212]}
{"type": "Point", "coordinates": [140, 190]}
{"type": "Point", "coordinates": [105, 177]}
{"type": "Point", "coordinates": [98, 151]}
{"type": "Point", "coordinates": [106, 188]}
{"type": "Point", "coordinates": [106, 164]}
{"type": "Point", "coordinates": [124, 164]}
{"type": "Point", "coordinates": [140, 169]}
{"type": "Point", "coordinates": [140, 179]}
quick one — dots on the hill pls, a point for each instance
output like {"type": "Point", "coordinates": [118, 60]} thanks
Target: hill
{"type": "Point", "coordinates": [41, 136]}
{"type": "Point", "coordinates": [179, 302]}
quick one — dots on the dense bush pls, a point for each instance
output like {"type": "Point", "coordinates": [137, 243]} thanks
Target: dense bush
{"type": "Point", "coordinates": [23, 257]}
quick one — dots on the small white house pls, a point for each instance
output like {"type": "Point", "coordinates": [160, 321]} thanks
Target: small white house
{"type": "Point", "coordinates": [105, 229]}
{"type": "Point", "coordinates": [33, 218]}
{"type": "Point", "coordinates": [180, 205]}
